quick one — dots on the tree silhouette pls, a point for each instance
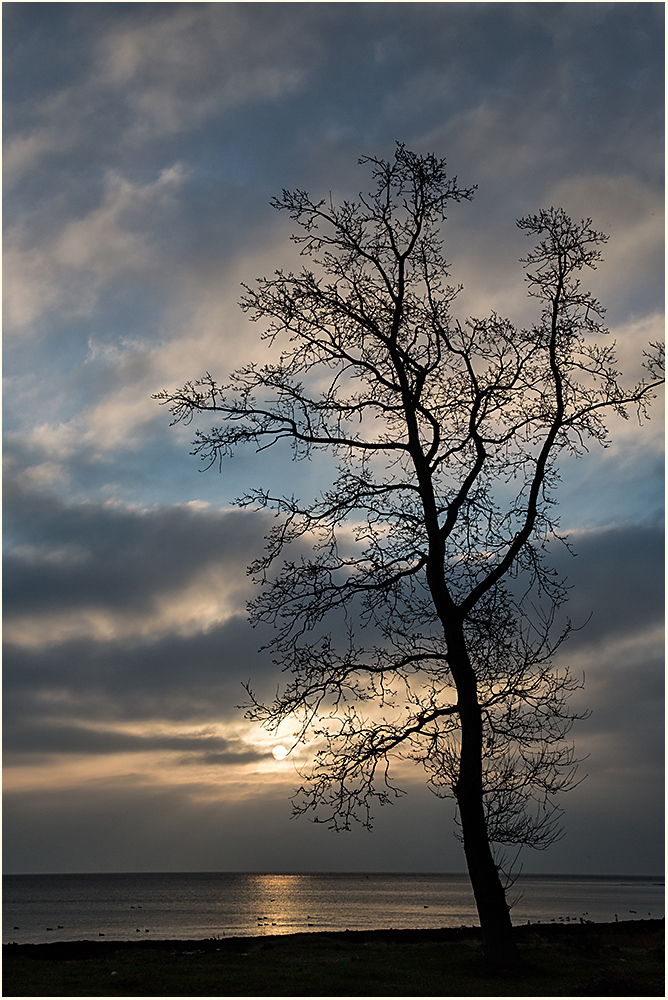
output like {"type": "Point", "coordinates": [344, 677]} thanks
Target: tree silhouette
{"type": "Point", "coordinates": [415, 620]}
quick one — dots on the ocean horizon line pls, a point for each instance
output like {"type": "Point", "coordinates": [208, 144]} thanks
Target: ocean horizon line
{"type": "Point", "coordinates": [331, 871]}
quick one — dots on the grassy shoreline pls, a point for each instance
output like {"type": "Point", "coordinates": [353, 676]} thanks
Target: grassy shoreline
{"type": "Point", "coordinates": [620, 959]}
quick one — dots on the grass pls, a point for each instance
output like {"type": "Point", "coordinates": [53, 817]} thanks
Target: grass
{"type": "Point", "coordinates": [599, 960]}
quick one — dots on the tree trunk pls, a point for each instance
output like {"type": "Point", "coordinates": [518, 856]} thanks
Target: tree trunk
{"type": "Point", "coordinates": [497, 936]}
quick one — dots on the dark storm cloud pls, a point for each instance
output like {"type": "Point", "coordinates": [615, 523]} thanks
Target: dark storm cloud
{"type": "Point", "coordinates": [624, 735]}
{"type": "Point", "coordinates": [122, 560]}
{"type": "Point", "coordinates": [616, 577]}
{"type": "Point", "coordinates": [616, 606]}
{"type": "Point", "coordinates": [82, 555]}
{"type": "Point", "coordinates": [42, 739]}
{"type": "Point", "coordinates": [175, 678]}
{"type": "Point", "coordinates": [71, 561]}
{"type": "Point", "coordinates": [69, 556]}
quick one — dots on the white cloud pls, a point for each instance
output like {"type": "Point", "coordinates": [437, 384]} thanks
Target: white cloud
{"type": "Point", "coordinates": [202, 327]}
{"type": "Point", "coordinates": [57, 125]}
{"type": "Point", "coordinates": [64, 273]}
{"type": "Point", "coordinates": [180, 67]}
{"type": "Point", "coordinates": [22, 152]}
{"type": "Point", "coordinates": [168, 72]}
{"type": "Point", "coordinates": [631, 213]}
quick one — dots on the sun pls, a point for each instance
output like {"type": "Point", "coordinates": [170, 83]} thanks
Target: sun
{"type": "Point", "coordinates": [279, 752]}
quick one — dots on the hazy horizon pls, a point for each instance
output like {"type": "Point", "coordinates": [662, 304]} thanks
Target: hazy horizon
{"type": "Point", "coordinates": [349, 871]}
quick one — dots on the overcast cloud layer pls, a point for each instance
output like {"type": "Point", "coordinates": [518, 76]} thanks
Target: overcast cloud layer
{"type": "Point", "coordinates": [143, 143]}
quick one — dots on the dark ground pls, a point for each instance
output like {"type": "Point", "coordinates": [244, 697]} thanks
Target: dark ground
{"type": "Point", "coordinates": [597, 960]}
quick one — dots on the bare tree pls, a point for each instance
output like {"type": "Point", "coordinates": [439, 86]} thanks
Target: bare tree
{"type": "Point", "coordinates": [419, 625]}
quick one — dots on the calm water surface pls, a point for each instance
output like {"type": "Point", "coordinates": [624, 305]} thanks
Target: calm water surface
{"type": "Point", "coordinates": [38, 908]}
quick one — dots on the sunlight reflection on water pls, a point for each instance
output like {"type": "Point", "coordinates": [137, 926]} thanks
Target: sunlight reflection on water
{"type": "Point", "coordinates": [204, 905]}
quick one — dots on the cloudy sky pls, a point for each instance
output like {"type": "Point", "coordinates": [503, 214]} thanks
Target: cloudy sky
{"type": "Point", "coordinates": [143, 142]}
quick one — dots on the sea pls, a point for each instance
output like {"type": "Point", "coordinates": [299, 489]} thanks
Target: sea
{"type": "Point", "coordinates": [209, 905]}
